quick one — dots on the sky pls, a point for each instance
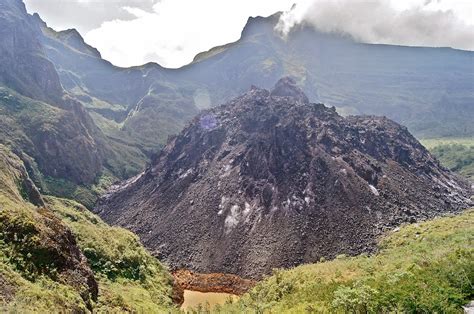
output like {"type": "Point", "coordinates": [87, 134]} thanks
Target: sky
{"type": "Point", "coordinates": [172, 32]}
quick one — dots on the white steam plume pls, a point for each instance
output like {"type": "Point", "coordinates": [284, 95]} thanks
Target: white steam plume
{"type": "Point", "coordinates": [428, 23]}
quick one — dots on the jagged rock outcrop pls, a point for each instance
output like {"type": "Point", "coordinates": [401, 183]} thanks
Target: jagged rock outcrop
{"type": "Point", "coordinates": [271, 180]}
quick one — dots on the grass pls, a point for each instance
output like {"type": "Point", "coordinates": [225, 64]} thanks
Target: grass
{"type": "Point", "coordinates": [41, 296]}
{"type": "Point", "coordinates": [426, 267]}
{"type": "Point", "coordinates": [84, 194]}
{"type": "Point", "coordinates": [130, 279]}
{"type": "Point", "coordinates": [457, 154]}
{"type": "Point", "coordinates": [28, 265]}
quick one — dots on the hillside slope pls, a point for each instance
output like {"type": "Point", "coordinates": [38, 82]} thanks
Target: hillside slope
{"type": "Point", "coordinates": [23, 64]}
{"type": "Point", "coordinates": [37, 250]}
{"type": "Point", "coordinates": [56, 256]}
{"type": "Point", "coordinates": [457, 154]}
{"type": "Point", "coordinates": [420, 268]}
{"type": "Point", "coordinates": [64, 151]}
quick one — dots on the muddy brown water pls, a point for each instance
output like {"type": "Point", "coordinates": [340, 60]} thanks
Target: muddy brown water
{"type": "Point", "coordinates": [193, 298]}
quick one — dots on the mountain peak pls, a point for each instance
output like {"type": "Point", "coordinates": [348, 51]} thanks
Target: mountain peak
{"type": "Point", "coordinates": [287, 87]}
{"type": "Point", "coordinates": [12, 7]}
{"type": "Point", "coordinates": [24, 67]}
{"type": "Point", "coordinates": [69, 37]}
{"type": "Point", "coordinates": [274, 173]}
{"type": "Point", "coordinates": [255, 24]}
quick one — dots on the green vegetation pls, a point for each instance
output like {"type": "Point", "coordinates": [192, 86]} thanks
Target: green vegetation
{"type": "Point", "coordinates": [28, 264]}
{"type": "Point", "coordinates": [36, 246]}
{"type": "Point", "coordinates": [28, 270]}
{"type": "Point", "coordinates": [125, 158]}
{"type": "Point", "coordinates": [86, 195]}
{"type": "Point", "coordinates": [421, 268]}
{"type": "Point", "coordinates": [28, 126]}
{"type": "Point", "coordinates": [457, 154]}
{"type": "Point", "coordinates": [129, 277]}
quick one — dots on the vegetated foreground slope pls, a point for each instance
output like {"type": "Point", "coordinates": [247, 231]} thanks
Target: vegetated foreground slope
{"type": "Point", "coordinates": [420, 268]}
{"type": "Point", "coordinates": [271, 180]}
{"type": "Point", "coordinates": [56, 256]}
{"type": "Point", "coordinates": [40, 261]}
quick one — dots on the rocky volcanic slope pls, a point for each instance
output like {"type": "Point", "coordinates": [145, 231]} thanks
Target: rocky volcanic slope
{"type": "Point", "coordinates": [271, 180]}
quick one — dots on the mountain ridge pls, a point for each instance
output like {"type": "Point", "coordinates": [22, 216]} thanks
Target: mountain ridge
{"type": "Point", "coordinates": [331, 68]}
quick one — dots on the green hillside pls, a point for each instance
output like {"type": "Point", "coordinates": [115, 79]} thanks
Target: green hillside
{"type": "Point", "coordinates": [42, 268]}
{"type": "Point", "coordinates": [129, 278]}
{"type": "Point", "coordinates": [420, 268]}
{"type": "Point", "coordinates": [457, 154]}
{"type": "Point", "coordinates": [61, 156]}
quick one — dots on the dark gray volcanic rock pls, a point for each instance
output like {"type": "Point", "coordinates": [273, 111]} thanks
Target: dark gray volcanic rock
{"type": "Point", "coordinates": [271, 180]}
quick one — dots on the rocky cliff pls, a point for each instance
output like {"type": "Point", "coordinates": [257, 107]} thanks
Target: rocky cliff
{"type": "Point", "coordinates": [39, 120]}
{"type": "Point", "coordinates": [23, 64]}
{"type": "Point", "coordinates": [271, 180]}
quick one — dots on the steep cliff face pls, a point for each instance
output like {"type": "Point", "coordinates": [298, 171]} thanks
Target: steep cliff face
{"type": "Point", "coordinates": [271, 180]}
{"type": "Point", "coordinates": [38, 118]}
{"type": "Point", "coordinates": [23, 64]}
{"type": "Point", "coordinates": [64, 143]}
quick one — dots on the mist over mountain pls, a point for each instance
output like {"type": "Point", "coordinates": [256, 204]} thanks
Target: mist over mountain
{"type": "Point", "coordinates": [423, 88]}
{"type": "Point", "coordinates": [136, 109]}
{"type": "Point", "coordinates": [424, 23]}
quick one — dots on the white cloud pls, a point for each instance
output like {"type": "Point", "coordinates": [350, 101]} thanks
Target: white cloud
{"type": "Point", "coordinates": [436, 23]}
{"type": "Point", "coordinates": [176, 30]}
{"type": "Point", "coordinates": [84, 15]}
